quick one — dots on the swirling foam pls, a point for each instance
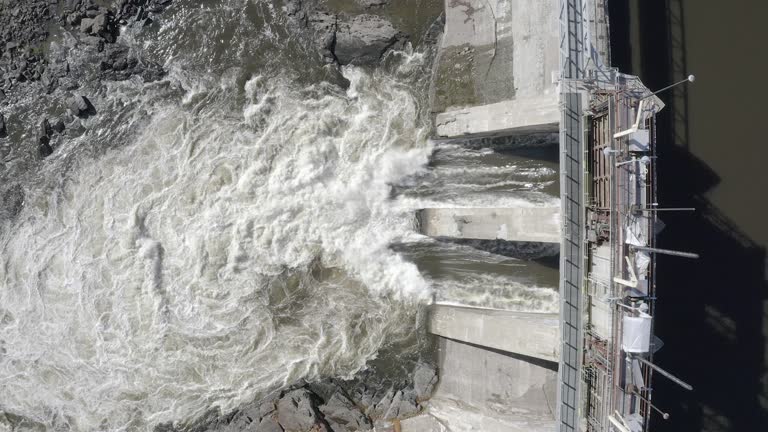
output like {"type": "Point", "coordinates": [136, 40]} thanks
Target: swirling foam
{"type": "Point", "coordinates": [218, 255]}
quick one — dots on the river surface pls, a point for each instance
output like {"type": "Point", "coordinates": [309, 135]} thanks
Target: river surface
{"type": "Point", "coordinates": [215, 235]}
{"type": "Point", "coordinates": [712, 313]}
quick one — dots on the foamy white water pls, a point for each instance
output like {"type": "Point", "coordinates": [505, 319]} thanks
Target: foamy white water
{"type": "Point", "coordinates": [218, 254]}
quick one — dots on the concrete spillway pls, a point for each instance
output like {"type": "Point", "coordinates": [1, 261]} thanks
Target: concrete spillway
{"type": "Point", "coordinates": [527, 334]}
{"type": "Point", "coordinates": [496, 76]}
{"type": "Point", "coordinates": [523, 224]}
{"type": "Point", "coordinates": [497, 68]}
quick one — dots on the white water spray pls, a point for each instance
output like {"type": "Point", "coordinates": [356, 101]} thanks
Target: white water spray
{"type": "Point", "coordinates": [216, 256]}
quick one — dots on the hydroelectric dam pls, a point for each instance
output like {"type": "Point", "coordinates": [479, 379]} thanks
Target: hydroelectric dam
{"type": "Point", "coordinates": [325, 216]}
{"type": "Point", "coordinates": [528, 73]}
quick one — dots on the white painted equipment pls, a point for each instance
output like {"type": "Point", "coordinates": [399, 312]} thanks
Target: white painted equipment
{"type": "Point", "coordinates": [636, 334]}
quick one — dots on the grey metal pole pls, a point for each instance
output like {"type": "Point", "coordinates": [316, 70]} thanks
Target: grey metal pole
{"type": "Point", "coordinates": [668, 209]}
{"type": "Point", "coordinates": [665, 251]}
{"type": "Point", "coordinates": [689, 78]}
{"type": "Point", "coordinates": [664, 415]}
{"type": "Point", "coordinates": [673, 378]}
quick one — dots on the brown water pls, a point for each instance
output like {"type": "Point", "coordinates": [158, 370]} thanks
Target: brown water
{"type": "Point", "coordinates": [712, 313]}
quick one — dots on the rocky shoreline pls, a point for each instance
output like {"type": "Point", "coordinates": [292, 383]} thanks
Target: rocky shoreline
{"type": "Point", "coordinates": [50, 48]}
{"type": "Point", "coordinates": [361, 404]}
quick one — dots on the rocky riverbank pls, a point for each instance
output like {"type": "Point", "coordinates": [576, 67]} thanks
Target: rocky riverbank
{"type": "Point", "coordinates": [57, 53]}
{"type": "Point", "coordinates": [53, 55]}
{"type": "Point", "coordinates": [361, 404]}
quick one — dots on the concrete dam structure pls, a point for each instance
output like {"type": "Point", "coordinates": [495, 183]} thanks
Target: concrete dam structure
{"type": "Point", "coordinates": [329, 216]}
{"type": "Point", "coordinates": [516, 72]}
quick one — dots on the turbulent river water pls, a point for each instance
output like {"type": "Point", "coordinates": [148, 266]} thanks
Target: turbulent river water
{"type": "Point", "coordinates": [230, 239]}
{"type": "Point", "coordinates": [225, 231]}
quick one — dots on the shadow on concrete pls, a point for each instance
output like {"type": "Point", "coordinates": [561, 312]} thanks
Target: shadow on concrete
{"type": "Point", "coordinates": [710, 312]}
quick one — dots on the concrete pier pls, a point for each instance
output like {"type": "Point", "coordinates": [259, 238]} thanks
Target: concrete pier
{"type": "Point", "coordinates": [493, 391]}
{"type": "Point", "coordinates": [528, 224]}
{"type": "Point", "coordinates": [533, 335]}
{"type": "Point", "coordinates": [498, 369]}
{"type": "Point", "coordinates": [497, 68]}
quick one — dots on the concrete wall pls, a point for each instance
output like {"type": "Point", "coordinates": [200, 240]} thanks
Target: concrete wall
{"type": "Point", "coordinates": [492, 391]}
{"type": "Point", "coordinates": [528, 334]}
{"type": "Point", "coordinates": [496, 62]}
{"type": "Point", "coordinates": [530, 224]}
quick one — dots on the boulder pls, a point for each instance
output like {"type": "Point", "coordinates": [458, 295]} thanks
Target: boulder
{"type": "Point", "coordinates": [45, 128]}
{"type": "Point", "coordinates": [43, 148]}
{"type": "Point", "coordinates": [267, 407]}
{"type": "Point", "coordinates": [364, 39]}
{"type": "Point", "coordinates": [245, 419]}
{"type": "Point", "coordinates": [403, 405]}
{"type": "Point", "coordinates": [80, 106]}
{"type": "Point", "coordinates": [58, 126]}
{"type": "Point", "coordinates": [297, 412]}
{"type": "Point", "coordinates": [343, 415]}
{"type": "Point", "coordinates": [324, 25]}
{"type": "Point", "coordinates": [424, 380]}
{"type": "Point", "coordinates": [370, 4]}
{"type": "Point", "coordinates": [381, 407]}
{"type": "Point", "coordinates": [103, 26]}
{"type": "Point", "coordinates": [86, 25]}
{"type": "Point", "coordinates": [74, 18]}
{"type": "Point", "coordinates": [99, 24]}
{"type": "Point", "coordinates": [268, 424]}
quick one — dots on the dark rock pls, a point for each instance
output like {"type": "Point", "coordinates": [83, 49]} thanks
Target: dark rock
{"type": "Point", "coordinates": [364, 39]}
{"type": "Point", "coordinates": [99, 24]}
{"type": "Point", "coordinates": [3, 132]}
{"type": "Point", "coordinates": [58, 126]}
{"type": "Point", "coordinates": [74, 19]}
{"type": "Point", "coordinates": [268, 405]}
{"type": "Point", "coordinates": [49, 82]}
{"type": "Point", "coordinates": [342, 413]}
{"type": "Point", "coordinates": [424, 380]}
{"type": "Point", "coordinates": [297, 411]}
{"type": "Point", "coordinates": [80, 106]}
{"type": "Point", "coordinates": [120, 65]}
{"type": "Point", "coordinates": [325, 27]}
{"type": "Point", "coordinates": [86, 25]}
{"type": "Point", "coordinates": [403, 405]}
{"type": "Point", "coordinates": [75, 129]}
{"type": "Point", "coordinates": [104, 27]}
{"type": "Point", "coordinates": [245, 419]}
{"type": "Point", "coordinates": [44, 149]}
{"type": "Point", "coordinates": [268, 424]}
{"type": "Point", "coordinates": [382, 406]}
{"type": "Point", "coordinates": [45, 128]}
{"type": "Point", "coordinates": [324, 389]}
